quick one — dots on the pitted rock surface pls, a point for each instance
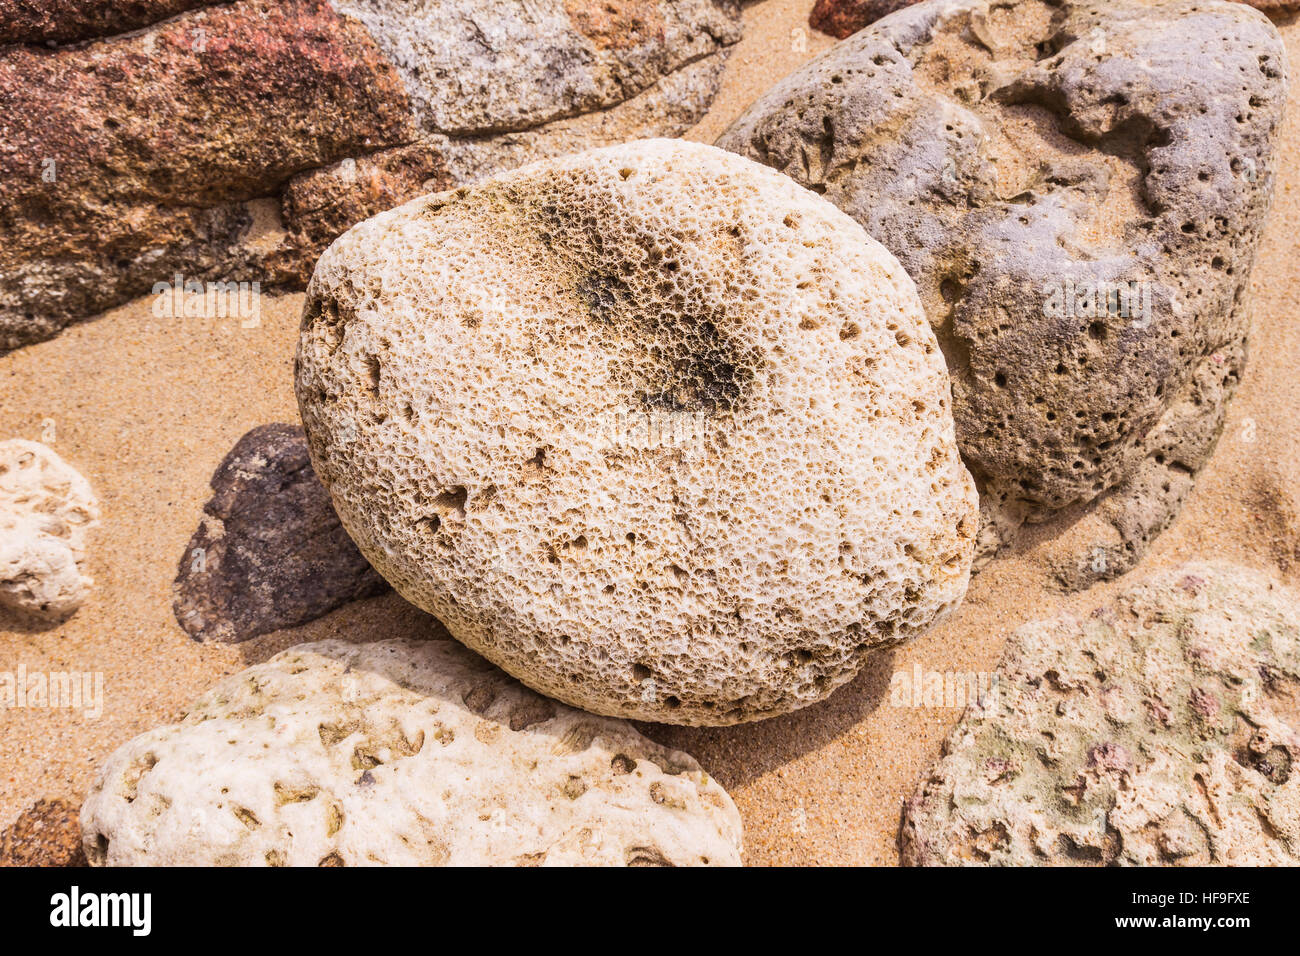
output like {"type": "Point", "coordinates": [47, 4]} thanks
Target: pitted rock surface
{"type": "Point", "coordinates": [1078, 190]}
{"type": "Point", "coordinates": [400, 753]}
{"type": "Point", "coordinates": [1161, 729]}
{"type": "Point", "coordinates": [842, 18]}
{"type": "Point", "coordinates": [650, 427]}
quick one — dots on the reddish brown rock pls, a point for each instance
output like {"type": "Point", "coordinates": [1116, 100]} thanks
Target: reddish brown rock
{"type": "Point", "coordinates": [212, 144]}
{"type": "Point", "coordinates": [47, 833]}
{"type": "Point", "coordinates": [39, 21]}
{"type": "Point", "coordinates": [184, 115]}
{"type": "Point", "coordinates": [117, 151]}
{"type": "Point", "coordinates": [840, 18]}
{"type": "Point", "coordinates": [318, 206]}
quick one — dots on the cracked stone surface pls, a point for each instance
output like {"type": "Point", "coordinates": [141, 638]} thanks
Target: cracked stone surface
{"type": "Point", "coordinates": [1161, 729]}
{"type": "Point", "coordinates": [400, 752]}
{"type": "Point", "coordinates": [233, 142]}
{"type": "Point", "coordinates": [1017, 158]}
{"type": "Point", "coordinates": [270, 552]}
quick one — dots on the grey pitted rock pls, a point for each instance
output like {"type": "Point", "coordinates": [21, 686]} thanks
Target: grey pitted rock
{"type": "Point", "coordinates": [401, 753]}
{"type": "Point", "coordinates": [270, 552]}
{"type": "Point", "coordinates": [1161, 729]}
{"type": "Point", "coordinates": [840, 18]}
{"type": "Point", "coordinates": [232, 143]}
{"type": "Point", "coordinates": [1015, 156]}
{"type": "Point", "coordinates": [652, 428]}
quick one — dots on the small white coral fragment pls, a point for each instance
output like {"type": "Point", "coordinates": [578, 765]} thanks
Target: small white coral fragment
{"type": "Point", "coordinates": [46, 507]}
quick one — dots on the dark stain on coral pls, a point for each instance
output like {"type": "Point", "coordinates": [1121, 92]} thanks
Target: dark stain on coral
{"type": "Point", "coordinates": [689, 362]}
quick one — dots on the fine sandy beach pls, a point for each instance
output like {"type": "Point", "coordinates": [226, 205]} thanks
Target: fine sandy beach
{"type": "Point", "coordinates": [146, 408]}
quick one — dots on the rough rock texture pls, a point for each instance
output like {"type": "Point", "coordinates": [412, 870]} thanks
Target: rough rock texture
{"type": "Point", "coordinates": [63, 21]}
{"type": "Point", "coordinates": [1161, 729]}
{"type": "Point", "coordinates": [840, 18]}
{"type": "Point", "coordinates": [401, 753]}
{"type": "Point", "coordinates": [657, 431]}
{"type": "Point", "coordinates": [47, 833]}
{"type": "Point", "coordinates": [321, 204]}
{"type": "Point", "coordinates": [1015, 155]}
{"type": "Point", "coordinates": [270, 552]}
{"type": "Point", "coordinates": [160, 139]}
{"type": "Point", "coordinates": [46, 508]}
{"type": "Point", "coordinates": [232, 143]}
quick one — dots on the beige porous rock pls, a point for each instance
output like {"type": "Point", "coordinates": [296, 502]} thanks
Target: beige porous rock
{"type": "Point", "coordinates": [651, 427]}
{"type": "Point", "coordinates": [1161, 729]}
{"type": "Point", "coordinates": [401, 752]}
{"type": "Point", "coordinates": [46, 507]}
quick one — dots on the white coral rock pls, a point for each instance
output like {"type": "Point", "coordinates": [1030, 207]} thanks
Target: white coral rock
{"type": "Point", "coordinates": [400, 752]}
{"type": "Point", "coordinates": [651, 427]}
{"type": "Point", "coordinates": [46, 507]}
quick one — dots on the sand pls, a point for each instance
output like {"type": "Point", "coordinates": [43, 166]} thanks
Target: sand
{"type": "Point", "coordinates": [147, 407]}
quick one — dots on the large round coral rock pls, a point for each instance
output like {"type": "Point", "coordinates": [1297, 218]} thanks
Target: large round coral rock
{"type": "Point", "coordinates": [651, 427]}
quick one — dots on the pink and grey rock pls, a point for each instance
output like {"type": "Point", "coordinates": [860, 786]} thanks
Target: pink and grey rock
{"type": "Point", "coordinates": [1160, 730]}
{"type": "Point", "coordinates": [233, 142]}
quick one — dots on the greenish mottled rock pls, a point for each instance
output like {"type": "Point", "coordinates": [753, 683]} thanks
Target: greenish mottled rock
{"type": "Point", "coordinates": [1161, 729]}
